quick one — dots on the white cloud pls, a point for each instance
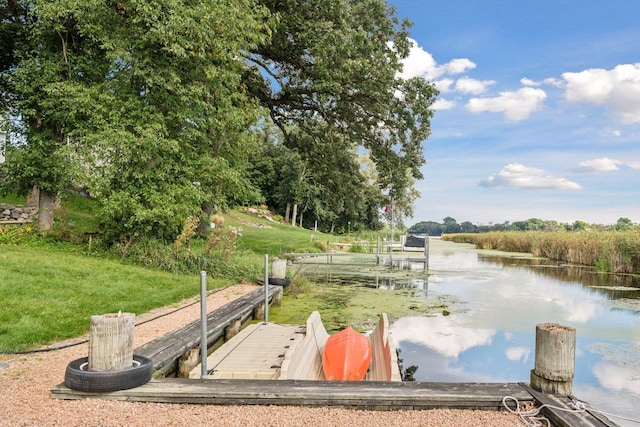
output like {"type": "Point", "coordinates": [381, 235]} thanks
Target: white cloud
{"type": "Point", "coordinates": [443, 104]}
{"type": "Point", "coordinates": [515, 105]}
{"type": "Point", "coordinates": [516, 175]}
{"type": "Point", "coordinates": [548, 81]}
{"type": "Point", "coordinates": [473, 86]}
{"type": "Point", "coordinates": [617, 89]}
{"type": "Point", "coordinates": [459, 66]}
{"type": "Point", "coordinates": [603, 164]}
{"type": "Point", "coordinates": [443, 85]}
{"type": "Point", "coordinates": [420, 63]}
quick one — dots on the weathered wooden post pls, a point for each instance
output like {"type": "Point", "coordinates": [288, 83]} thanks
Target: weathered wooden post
{"type": "Point", "coordinates": [279, 268]}
{"type": "Point", "coordinates": [111, 342]}
{"type": "Point", "coordinates": [555, 359]}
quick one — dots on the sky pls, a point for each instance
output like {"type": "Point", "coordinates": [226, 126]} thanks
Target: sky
{"type": "Point", "coordinates": [539, 109]}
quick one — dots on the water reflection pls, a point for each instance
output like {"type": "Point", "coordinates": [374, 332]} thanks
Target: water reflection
{"type": "Point", "coordinates": [613, 285]}
{"type": "Point", "coordinates": [504, 298]}
{"type": "Point", "coordinates": [436, 333]}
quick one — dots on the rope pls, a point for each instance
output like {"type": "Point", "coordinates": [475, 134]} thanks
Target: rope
{"type": "Point", "coordinates": [532, 417]}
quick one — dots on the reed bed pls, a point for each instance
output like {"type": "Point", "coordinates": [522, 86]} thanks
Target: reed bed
{"type": "Point", "coordinates": [610, 251]}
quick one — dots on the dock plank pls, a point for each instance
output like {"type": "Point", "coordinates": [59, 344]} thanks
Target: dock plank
{"type": "Point", "coordinates": [390, 395]}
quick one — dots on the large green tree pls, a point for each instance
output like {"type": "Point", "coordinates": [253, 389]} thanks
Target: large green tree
{"type": "Point", "coordinates": [148, 97]}
{"type": "Point", "coordinates": [334, 64]}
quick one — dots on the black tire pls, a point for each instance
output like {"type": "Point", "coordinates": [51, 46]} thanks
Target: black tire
{"type": "Point", "coordinates": [279, 281]}
{"type": "Point", "coordinates": [78, 378]}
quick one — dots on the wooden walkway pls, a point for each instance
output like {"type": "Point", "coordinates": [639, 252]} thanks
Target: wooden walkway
{"type": "Point", "coordinates": [223, 323]}
{"type": "Point", "coordinates": [255, 353]}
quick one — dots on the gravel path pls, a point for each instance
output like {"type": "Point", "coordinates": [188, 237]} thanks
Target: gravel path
{"type": "Point", "coordinates": [26, 381]}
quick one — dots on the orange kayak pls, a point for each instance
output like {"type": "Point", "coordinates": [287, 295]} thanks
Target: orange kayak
{"type": "Point", "coordinates": [346, 356]}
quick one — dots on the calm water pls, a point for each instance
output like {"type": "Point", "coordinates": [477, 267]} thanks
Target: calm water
{"type": "Point", "coordinates": [496, 301]}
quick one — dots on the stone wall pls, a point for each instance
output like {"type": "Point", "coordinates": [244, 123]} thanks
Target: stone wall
{"type": "Point", "coordinates": [10, 213]}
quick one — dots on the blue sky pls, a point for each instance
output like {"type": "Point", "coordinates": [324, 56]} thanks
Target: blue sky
{"type": "Point", "coordinates": [539, 109]}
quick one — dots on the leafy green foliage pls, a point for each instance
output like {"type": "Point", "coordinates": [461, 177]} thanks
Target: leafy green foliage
{"type": "Point", "coordinates": [140, 102]}
{"type": "Point", "coordinates": [335, 76]}
{"type": "Point", "coordinates": [150, 106]}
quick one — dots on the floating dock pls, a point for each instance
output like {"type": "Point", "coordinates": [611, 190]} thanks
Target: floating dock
{"type": "Point", "coordinates": [269, 351]}
{"type": "Point", "coordinates": [257, 352]}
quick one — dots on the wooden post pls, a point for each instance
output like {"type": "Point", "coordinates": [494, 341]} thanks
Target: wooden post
{"type": "Point", "coordinates": [258, 311]}
{"type": "Point", "coordinates": [277, 299]}
{"type": "Point", "coordinates": [555, 359]}
{"type": "Point", "coordinates": [111, 342]}
{"type": "Point", "coordinates": [279, 268]}
{"type": "Point", "coordinates": [232, 329]}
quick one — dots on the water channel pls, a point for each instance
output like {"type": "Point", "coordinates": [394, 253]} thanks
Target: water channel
{"type": "Point", "coordinates": [471, 316]}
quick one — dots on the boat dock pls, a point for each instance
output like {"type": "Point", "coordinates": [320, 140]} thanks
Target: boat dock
{"type": "Point", "coordinates": [257, 352]}
{"type": "Point", "coordinates": [268, 364]}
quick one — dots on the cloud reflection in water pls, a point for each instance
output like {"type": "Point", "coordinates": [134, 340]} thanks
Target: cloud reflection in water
{"type": "Point", "coordinates": [440, 334]}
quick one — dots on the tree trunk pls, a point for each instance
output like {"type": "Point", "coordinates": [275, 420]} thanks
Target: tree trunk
{"type": "Point", "coordinates": [300, 222]}
{"type": "Point", "coordinates": [204, 224]}
{"type": "Point", "coordinates": [34, 197]}
{"type": "Point", "coordinates": [286, 213]}
{"type": "Point", "coordinates": [294, 214]}
{"type": "Point", "coordinates": [46, 207]}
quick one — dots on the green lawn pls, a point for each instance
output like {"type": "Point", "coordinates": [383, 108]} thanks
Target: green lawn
{"type": "Point", "coordinates": [49, 294]}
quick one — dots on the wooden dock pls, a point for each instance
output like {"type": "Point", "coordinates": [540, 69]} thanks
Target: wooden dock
{"type": "Point", "coordinates": [225, 322]}
{"type": "Point", "coordinates": [222, 324]}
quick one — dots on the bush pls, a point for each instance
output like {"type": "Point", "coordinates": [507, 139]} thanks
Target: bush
{"type": "Point", "coordinates": [17, 234]}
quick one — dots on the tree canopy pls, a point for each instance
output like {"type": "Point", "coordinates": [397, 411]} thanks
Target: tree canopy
{"type": "Point", "coordinates": [153, 106]}
{"type": "Point", "coordinates": [331, 69]}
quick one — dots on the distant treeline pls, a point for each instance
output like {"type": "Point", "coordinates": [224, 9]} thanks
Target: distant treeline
{"type": "Point", "coordinates": [450, 226]}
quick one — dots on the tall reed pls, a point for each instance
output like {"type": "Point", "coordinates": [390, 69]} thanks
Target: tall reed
{"type": "Point", "coordinates": [611, 251]}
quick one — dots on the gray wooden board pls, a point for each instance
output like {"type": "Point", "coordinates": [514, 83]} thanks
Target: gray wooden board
{"type": "Point", "coordinates": [364, 395]}
{"type": "Point", "coordinates": [165, 350]}
{"type": "Point", "coordinates": [561, 418]}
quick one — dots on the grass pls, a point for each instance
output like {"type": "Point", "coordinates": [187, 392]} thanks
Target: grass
{"type": "Point", "coordinates": [274, 238]}
{"type": "Point", "coordinates": [607, 251]}
{"type": "Point", "coordinates": [50, 288]}
{"type": "Point", "coordinates": [49, 294]}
